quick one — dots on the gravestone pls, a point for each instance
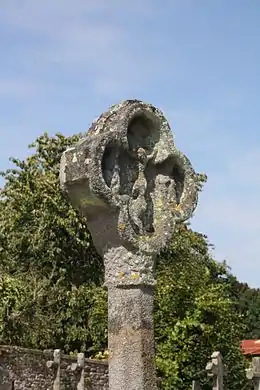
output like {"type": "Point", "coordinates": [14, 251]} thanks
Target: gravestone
{"type": "Point", "coordinates": [127, 177]}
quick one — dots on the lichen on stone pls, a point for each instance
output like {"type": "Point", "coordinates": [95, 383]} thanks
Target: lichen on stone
{"type": "Point", "coordinates": [127, 177]}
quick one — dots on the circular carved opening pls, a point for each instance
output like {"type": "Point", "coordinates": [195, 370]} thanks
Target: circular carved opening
{"type": "Point", "coordinates": [143, 132]}
{"type": "Point", "coordinates": [179, 177]}
{"type": "Point", "coordinates": [108, 163]}
{"type": "Point", "coordinates": [172, 169]}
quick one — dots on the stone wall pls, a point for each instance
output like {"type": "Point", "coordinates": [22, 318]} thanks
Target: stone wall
{"type": "Point", "coordinates": [34, 369]}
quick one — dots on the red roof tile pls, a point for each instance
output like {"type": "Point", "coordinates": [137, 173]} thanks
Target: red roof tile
{"type": "Point", "coordinates": [250, 347]}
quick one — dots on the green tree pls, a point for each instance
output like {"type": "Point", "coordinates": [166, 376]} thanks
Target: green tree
{"type": "Point", "coordinates": [195, 314]}
{"type": "Point", "coordinates": [248, 304]}
{"type": "Point", "coordinates": [47, 250]}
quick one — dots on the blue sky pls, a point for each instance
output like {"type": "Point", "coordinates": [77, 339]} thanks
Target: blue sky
{"type": "Point", "coordinates": [63, 62]}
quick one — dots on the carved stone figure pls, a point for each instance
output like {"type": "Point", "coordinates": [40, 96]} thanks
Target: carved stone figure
{"type": "Point", "coordinates": [127, 177]}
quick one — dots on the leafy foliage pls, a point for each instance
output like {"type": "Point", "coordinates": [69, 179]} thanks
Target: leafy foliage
{"type": "Point", "coordinates": [47, 250]}
{"type": "Point", "coordinates": [248, 305]}
{"type": "Point", "coordinates": [51, 279]}
{"type": "Point", "coordinates": [195, 313]}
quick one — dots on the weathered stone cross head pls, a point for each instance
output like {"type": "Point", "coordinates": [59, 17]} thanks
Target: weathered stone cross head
{"type": "Point", "coordinates": [127, 177]}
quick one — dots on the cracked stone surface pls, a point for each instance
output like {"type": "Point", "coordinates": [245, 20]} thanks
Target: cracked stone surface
{"type": "Point", "coordinates": [131, 182]}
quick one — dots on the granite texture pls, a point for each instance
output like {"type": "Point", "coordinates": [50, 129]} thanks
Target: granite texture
{"type": "Point", "coordinates": [130, 337]}
{"type": "Point", "coordinates": [32, 369]}
{"type": "Point", "coordinates": [133, 185]}
{"type": "Point", "coordinates": [130, 181]}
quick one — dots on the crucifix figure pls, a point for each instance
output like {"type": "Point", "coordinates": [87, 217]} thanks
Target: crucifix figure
{"type": "Point", "coordinates": [127, 177]}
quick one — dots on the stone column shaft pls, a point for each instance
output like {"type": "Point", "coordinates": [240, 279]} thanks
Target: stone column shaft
{"type": "Point", "coordinates": [131, 338]}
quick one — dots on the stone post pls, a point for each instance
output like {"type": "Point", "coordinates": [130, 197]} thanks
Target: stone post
{"type": "Point", "coordinates": [127, 177]}
{"type": "Point", "coordinates": [55, 365]}
{"type": "Point", "coordinates": [215, 369]}
{"type": "Point", "coordinates": [79, 368]}
{"type": "Point", "coordinates": [253, 373]}
{"type": "Point", "coordinates": [196, 385]}
{"type": "Point", "coordinates": [81, 365]}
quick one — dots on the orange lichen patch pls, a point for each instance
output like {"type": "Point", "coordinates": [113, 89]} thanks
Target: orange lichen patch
{"type": "Point", "coordinates": [121, 226]}
{"type": "Point", "coordinates": [135, 276]}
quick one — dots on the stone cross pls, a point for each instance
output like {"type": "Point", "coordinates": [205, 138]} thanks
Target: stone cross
{"type": "Point", "coordinates": [127, 177]}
